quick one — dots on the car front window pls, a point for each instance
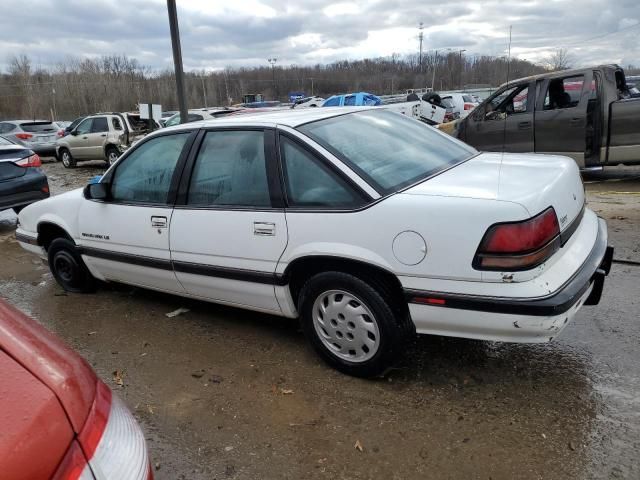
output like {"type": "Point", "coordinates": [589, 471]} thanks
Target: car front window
{"type": "Point", "coordinates": [145, 175]}
{"type": "Point", "coordinates": [388, 150]}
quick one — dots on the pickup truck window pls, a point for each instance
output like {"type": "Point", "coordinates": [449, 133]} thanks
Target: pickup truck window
{"type": "Point", "coordinates": [563, 92]}
{"type": "Point", "coordinates": [509, 102]}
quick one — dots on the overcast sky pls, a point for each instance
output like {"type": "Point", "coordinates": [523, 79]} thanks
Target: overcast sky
{"type": "Point", "coordinates": [219, 33]}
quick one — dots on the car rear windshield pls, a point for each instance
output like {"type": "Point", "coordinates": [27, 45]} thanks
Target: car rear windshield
{"type": "Point", "coordinates": [37, 127]}
{"type": "Point", "coordinates": [387, 149]}
{"type": "Point", "coordinates": [448, 102]}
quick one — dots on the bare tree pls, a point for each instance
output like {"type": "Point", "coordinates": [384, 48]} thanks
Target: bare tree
{"type": "Point", "coordinates": [561, 59]}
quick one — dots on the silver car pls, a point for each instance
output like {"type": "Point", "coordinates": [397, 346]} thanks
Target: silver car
{"type": "Point", "coordinates": [37, 135]}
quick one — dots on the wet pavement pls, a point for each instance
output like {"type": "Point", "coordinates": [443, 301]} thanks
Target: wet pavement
{"type": "Point", "coordinates": [224, 393]}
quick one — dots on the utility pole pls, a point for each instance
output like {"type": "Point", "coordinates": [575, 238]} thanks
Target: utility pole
{"type": "Point", "coordinates": [311, 78]}
{"type": "Point", "coordinates": [460, 73]}
{"type": "Point", "coordinates": [433, 77]}
{"type": "Point", "coordinates": [272, 61]}
{"type": "Point", "coordinates": [177, 59]}
{"type": "Point", "coordinates": [420, 37]}
{"type": "Point", "coordinates": [204, 91]}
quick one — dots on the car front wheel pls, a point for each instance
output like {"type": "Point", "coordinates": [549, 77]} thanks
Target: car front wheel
{"type": "Point", "coordinates": [351, 324]}
{"type": "Point", "coordinates": [112, 155]}
{"type": "Point", "coordinates": [67, 160]}
{"type": "Point", "coordinates": [68, 268]}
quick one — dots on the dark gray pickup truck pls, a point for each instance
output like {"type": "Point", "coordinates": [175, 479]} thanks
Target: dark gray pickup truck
{"type": "Point", "coordinates": [589, 114]}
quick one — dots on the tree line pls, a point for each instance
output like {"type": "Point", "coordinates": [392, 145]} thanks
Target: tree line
{"type": "Point", "coordinates": [77, 86]}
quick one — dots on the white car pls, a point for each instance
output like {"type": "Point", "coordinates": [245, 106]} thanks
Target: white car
{"type": "Point", "coordinates": [463, 103]}
{"type": "Point", "coordinates": [198, 114]}
{"type": "Point", "coordinates": [308, 102]}
{"type": "Point", "coordinates": [368, 225]}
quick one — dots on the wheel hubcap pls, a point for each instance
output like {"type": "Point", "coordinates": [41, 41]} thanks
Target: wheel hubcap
{"type": "Point", "coordinates": [65, 266]}
{"type": "Point", "coordinates": [346, 326]}
{"type": "Point", "coordinates": [65, 159]}
{"type": "Point", "coordinates": [113, 156]}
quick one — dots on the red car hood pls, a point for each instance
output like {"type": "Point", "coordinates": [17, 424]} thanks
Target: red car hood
{"type": "Point", "coordinates": [48, 359]}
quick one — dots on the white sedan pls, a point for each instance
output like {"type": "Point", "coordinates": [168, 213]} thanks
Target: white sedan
{"type": "Point", "coordinates": [367, 225]}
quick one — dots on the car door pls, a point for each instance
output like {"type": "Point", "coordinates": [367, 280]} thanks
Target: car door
{"type": "Point", "coordinates": [561, 116]}
{"type": "Point", "coordinates": [126, 237]}
{"type": "Point", "coordinates": [79, 139]}
{"type": "Point", "coordinates": [228, 228]}
{"type": "Point", "coordinates": [505, 123]}
{"type": "Point", "coordinates": [97, 137]}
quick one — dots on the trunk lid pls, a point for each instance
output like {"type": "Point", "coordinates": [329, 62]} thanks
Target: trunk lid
{"type": "Point", "coordinates": [8, 155]}
{"type": "Point", "coordinates": [531, 180]}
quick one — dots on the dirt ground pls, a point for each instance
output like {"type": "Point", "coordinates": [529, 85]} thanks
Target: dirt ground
{"type": "Point", "coordinates": [223, 393]}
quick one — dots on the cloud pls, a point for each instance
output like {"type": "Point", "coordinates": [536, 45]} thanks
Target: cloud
{"type": "Point", "coordinates": [218, 33]}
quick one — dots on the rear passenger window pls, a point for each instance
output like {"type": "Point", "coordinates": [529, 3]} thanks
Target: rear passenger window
{"type": "Point", "coordinates": [350, 101]}
{"type": "Point", "coordinates": [311, 184]}
{"type": "Point", "coordinates": [230, 170]}
{"type": "Point", "coordinates": [564, 92]}
{"type": "Point", "coordinates": [99, 125]}
{"type": "Point", "coordinates": [116, 123]}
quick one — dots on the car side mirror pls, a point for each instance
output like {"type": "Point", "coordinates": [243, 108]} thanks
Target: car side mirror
{"type": "Point", "coordinates": [96, 191]}
{"type": "Point", "coordinates": [74, 132]}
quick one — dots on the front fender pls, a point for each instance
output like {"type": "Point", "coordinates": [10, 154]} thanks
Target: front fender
{"type": "Point", "coordinates": [60, 210]}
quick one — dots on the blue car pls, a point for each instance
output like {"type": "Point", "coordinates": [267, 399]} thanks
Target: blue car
{"type": "Point", "coordinates": [360, 99]}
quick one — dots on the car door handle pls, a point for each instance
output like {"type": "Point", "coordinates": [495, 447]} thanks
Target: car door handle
{"type": "Point", "coordinates": [264, 229]}
{"type": "Point", "coordinates": [103, 134]}
{"type": "Point", "coordinates": [84, 138]}
{"type": "Point", "coordinates": [159, 222]}
{"type": "Point", "coordinates": [576, 121]}
{"type": "Point", "coordinates": [524, 125]}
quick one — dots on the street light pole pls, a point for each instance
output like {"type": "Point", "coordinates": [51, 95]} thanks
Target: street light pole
{"type": "Point", "coordinates": [177, 59]}
{"type": "Point", "coordinates": [460, 75]}
{"type": "Point", "coordinates": [272, 61]}
{"type": "Point", "coordinates": [433, 77]}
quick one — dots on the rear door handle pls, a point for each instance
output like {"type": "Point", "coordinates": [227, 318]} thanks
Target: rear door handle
{"type": "Point", "coordinates": [576, 121]}
{"type": "Point", "coordinates": [84, 138]}
{"type": "Point", "coordinates": [103, 135]}
{"type": "Point", "coordinates": [159, 222]}
{"type": "Point", "coordinates": [264, 229]}
{"type": "Point", "coordinates": [524, 125]}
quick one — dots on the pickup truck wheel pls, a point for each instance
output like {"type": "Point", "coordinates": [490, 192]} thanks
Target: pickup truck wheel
{"type": "Point", "coordinates": [112, 155]}
{"type": "Point", "coordinates": [67, 160]}
{"type": "Point", "coordinates": [68, 268]}
{"type": "Point", "coordinates": [350, 324]}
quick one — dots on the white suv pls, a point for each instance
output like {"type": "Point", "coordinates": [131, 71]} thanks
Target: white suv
{"type": "Point", "coordinates": [366, 224]}
{"type": "Point", "coordinates": [463, 103]}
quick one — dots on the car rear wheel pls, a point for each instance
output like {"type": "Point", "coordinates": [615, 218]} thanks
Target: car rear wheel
{"type": "Point", "coordinates": [68, 268]}
{"type": "Point", "coordinates": [112, 155]}
{"type": "Point", "coordinates": [67, 160]}
{"type": "Point", "coordinates": [351, 324]}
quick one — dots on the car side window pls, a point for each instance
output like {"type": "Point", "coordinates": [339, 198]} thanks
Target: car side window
{"type": "Point", "coordinates": [564, 92]}
{"type": "Point", "coordinates": [509, 102]}
{"type": "Point", "coordinates": [84, 126]}
{"type": "Point", "coordinates": [6, 127]}
{"type": "Point", "coordinates": [117, 125]}
{"type": "Point", "coordinates": [144, 176]}
{"type": "Point", "coordinates": [230, 170]}
{"type": "Point", "coordinates": [309, 183]}
{"type": "Point", "coordinates": [349, 101]}
{"type": "Point", "coordinates": [99, 125]}
{"type": "Point", "coordinates": [332, 102]}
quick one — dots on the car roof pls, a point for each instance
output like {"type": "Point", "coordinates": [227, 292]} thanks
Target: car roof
{"type": "Point", "coordinates": [289, 117]}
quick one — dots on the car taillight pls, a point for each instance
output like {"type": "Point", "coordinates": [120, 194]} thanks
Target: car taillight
{"type": "Point", "coordinates": [112, 441]}
{"type": "Point", "coordinates": [519, 245]}
{"type": "Point", "coordinates": [24, 136]}
{"type": "Point", "coordinates": [32, 161]}
{"type": "Point", "coordinates": [469, 106]}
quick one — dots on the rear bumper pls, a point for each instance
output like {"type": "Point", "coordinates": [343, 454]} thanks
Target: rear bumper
{"type": "Point", "coordinates": [514, 319]}
{"type": "Point", "coordinates": [44, 149]}
{"type": "Point", "coordinates": [24, 190]}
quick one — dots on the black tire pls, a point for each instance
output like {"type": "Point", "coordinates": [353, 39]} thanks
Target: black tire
{"type": "Point", "coordinates": [392, 330]}
{"type": "Point", "coordinates": [112, 155]}
{"type": "Point", "coordinates": [68, 268]}
{"type": "Point", "coordinates": [66, 158]}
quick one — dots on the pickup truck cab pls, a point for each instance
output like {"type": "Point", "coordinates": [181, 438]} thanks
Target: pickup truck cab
{"type": "Point", "coordinates": [588, 114]}
{"type": "Point", "coordinates": [103, 136]}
